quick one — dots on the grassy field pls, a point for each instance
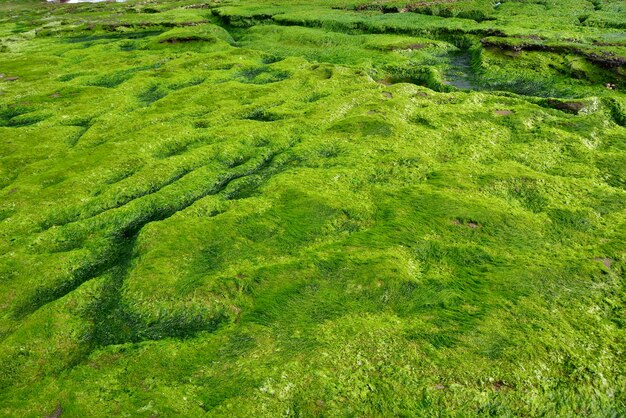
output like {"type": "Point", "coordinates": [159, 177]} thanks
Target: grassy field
{"type": "Point", "coordinates": [313, 208]}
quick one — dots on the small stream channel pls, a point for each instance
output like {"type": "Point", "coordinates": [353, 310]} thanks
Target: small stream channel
{"type": "Point", "coordinates": [459, 73]}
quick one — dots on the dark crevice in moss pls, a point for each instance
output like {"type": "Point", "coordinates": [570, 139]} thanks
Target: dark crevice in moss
{"type": "Point", "coordinates": [110, 80]}
{"type": "Point", "coordinates": [271, 59]}
{"type": "Point", "coordinates": [436, 8]}
{"type": "Point", "coordinates": [616, 110]}
{"type": "Point", "coordinates": [118, 203]}
{"type": "Point", "coordinates": [152, 94]}
{"type": "Point", "coordinates": [6, 213]}
{"type": "Point", "coordinates": [71, 76]}
{"type": "Point", "coordinates": [143, 25]}
{"type": "Point", "coordinates": [73, 140]}
{"type": "Point", "coordinates": [185, 39]}
{"type": "Point", "coordinates": [26, 120]}
{"type": "Point", "coordinates": [116, 253]}
{"type": "Point", "coordinates": [84, 124]}
{"type": "Point", "coordinates": [261, 115]}
{"type": "Point", "coordinates": [112, 36]}
{"type": "Point", "coordinates": [261, 75]}
{"type": "Point", "coordinates": [11, 115]}
{"type": "Point", "coordinates": [114, 322]}
{"type": "Point", "coordinates": [196, 81]}
{"type": "Point", "coordinates": [114, 79]}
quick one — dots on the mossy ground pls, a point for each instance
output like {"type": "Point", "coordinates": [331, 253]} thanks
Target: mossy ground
{"type": "Point", "coordinates": [261, 209]}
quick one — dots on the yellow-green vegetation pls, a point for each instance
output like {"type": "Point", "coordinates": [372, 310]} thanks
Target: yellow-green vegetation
{"type": "Point", "coordinates": [313, 208]}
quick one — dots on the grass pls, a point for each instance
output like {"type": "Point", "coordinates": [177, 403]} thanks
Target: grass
{"type": "Point", "coordinates": [326, 208]}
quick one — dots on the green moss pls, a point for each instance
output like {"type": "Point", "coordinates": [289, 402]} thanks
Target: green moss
{"type": "Point", "coordinates": [322, 209]}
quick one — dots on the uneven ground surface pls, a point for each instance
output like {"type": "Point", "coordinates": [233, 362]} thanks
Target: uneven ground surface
{"type": "Point", "coordinates": [313, 208]}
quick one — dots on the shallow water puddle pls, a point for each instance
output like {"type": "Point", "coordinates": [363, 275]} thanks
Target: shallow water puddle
{"type": "Point", "coordinates": [459, 73]}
